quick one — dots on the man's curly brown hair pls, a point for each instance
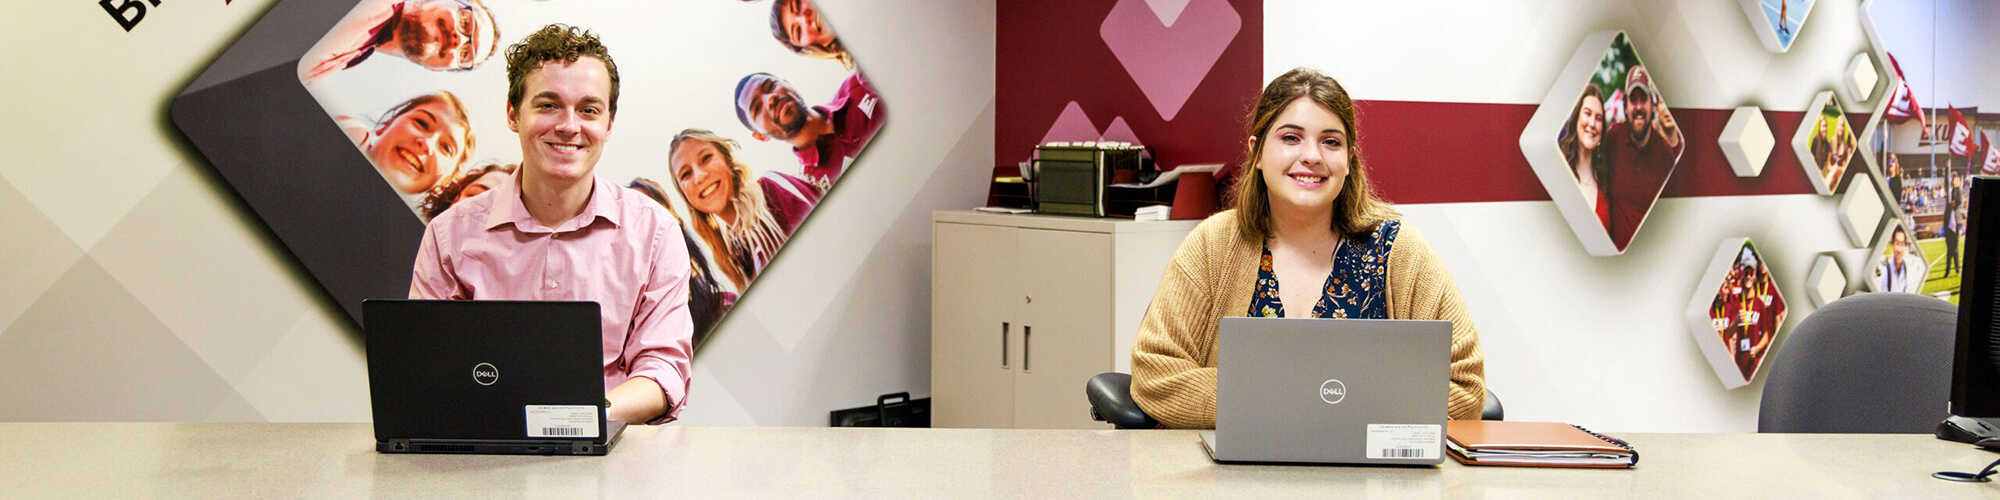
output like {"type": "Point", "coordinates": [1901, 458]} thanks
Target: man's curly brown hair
{"type": "Point", "coordinates": [555, 42]}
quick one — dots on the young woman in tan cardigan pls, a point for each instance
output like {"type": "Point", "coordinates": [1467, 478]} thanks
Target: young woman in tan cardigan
{"type": "Point", "coordinates": [1303, 215]}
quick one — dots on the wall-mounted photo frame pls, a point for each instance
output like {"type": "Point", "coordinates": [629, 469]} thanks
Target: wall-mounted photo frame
{"type": "Point", "coordinates": [1777, 22]}
{"type": "Point", "coordinates": [1825, 143]}
{"type": "Point", "coordinates": [1603, 143]}
{"type": "Point", "coordinates": [1899, 263]}
{"type": "Point", "coordinates": [346, 126]}
{"type": "Point", "coordinates": [1736, 312]}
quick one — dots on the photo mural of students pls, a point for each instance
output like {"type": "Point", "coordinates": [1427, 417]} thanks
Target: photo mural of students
{"type": "Point", "coordinates": [1641, 151]}
{"type": "Point", "coordinates": [735, 217]}
{"type": "Point", "coordinates": [442, 35]}
{"type": "Point", "coordinates": [472, 182]}
{"type": "Point", "coordinates": [825, 138]}
{"type": "Point", "coordinates": [742, 216]}
{"type": "Point", "coordinates": [1581, 142]}
{"type": "Point", "coordinates": [798, 26]}
{"type": "Point", "coordinates": [415, 144]}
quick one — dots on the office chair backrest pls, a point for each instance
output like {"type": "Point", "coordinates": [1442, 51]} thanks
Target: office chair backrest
{"type": "Point", "coordinates": [1869, 363]}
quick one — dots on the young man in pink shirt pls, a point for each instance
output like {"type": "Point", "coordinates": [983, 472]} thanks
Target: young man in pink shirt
{"type": "Point", "coordinates": [558, 232]}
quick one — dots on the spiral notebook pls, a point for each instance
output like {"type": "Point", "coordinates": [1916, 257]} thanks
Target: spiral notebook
{"type": "Point", "coordinates": [1535, 444]}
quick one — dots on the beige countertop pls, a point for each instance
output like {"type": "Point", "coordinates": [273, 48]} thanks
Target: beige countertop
{"type": "Point", "coordinates": [250, 460]}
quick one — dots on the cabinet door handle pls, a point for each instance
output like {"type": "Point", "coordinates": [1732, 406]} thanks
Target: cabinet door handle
{"type": "Point", "coordinates": [1003, 345]}
{"type": "Point", "coordinates": [1027, 348]}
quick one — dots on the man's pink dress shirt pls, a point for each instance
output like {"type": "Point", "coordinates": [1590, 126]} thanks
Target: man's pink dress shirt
{"type": "Point", "coordinates": [623, 252]}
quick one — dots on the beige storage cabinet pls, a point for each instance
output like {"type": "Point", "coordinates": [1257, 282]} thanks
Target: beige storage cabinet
{"type": "Point", "coordinates": [1026, 308]}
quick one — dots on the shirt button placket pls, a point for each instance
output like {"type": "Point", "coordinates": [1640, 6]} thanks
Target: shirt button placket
{"type": "Point", "coordinates": [549, 268]}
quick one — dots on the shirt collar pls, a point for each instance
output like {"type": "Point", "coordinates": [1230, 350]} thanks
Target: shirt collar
{"type": "Point", "coordinates": [509, 209]}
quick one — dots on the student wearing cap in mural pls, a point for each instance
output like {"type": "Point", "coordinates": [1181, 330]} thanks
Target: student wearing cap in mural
{"type": "Point", "coordinates": [825, 138]}
{"type": "Point", "coordinates": [798, 26]}
{"type": "Point", "coordinates": [442, 35]}
{"type": "Point", "coordinates": [1641, 151]}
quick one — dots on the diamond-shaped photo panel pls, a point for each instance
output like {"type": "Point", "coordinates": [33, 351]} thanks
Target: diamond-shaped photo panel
{"type": "Point", "coordinates": [344, 126]}
{"type": "Point", "coordinates": [1904, 261]}
{"type": "Point", "coordinates": [1736, 312]}
{"type": "Point", "coordinates": [1825, 143]}
{"type": "Point", "coordinates": [1603, 142]}
{"type": "Point", "coordinates": [1777, 22]}
{"type": "Point", "coordinates": [1896, 263]}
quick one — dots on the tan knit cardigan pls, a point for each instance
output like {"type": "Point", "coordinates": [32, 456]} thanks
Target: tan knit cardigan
{"type": "Point", "coordinates": [1214, 274]}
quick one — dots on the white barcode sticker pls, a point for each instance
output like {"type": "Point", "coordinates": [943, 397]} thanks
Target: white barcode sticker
{"type": "Point", "coordinates": [1405, 442]}
{"type": "Point", "coordinates": [562, 421]}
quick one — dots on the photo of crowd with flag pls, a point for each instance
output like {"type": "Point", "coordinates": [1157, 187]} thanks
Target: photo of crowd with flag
{"type": "Point", "coordinates": [1928, 156]}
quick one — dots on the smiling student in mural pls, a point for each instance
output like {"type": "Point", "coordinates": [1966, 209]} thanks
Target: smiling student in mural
{"type": "Point", "coordinates": [743, 217]}
{"type": "Point", "coordinates": [417, 143]}
{"type": "Point", "coordinates": [798, 26]}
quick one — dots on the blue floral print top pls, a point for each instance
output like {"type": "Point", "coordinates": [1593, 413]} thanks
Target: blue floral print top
{"type": "Point", "coordinates": [1357, 287]}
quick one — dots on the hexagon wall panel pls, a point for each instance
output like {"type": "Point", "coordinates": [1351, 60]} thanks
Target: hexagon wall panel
{"type": "Point", "coordinates": [1862, 209]}
{"type": "Point", "coordinates": [1861, 78]}
{"type": "Point", "coordinates": [1747, 141]}
{"type": "Point", "coordinates": [1826, 282]}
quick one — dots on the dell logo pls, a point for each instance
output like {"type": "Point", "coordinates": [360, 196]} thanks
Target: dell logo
{"type": "Point", "coordinates": [485, 374]}
{"type": "Point", "coordinates": [1332, 391]}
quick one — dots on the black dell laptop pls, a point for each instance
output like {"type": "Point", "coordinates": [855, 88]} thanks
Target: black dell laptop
{"type": "Point", "coordinates": [493, 377]}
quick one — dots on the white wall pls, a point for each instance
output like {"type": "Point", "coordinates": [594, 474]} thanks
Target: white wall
{"type": "Point", "coordinates": [135, 287]}
{"type": "Point", "coordinates": [1598, 341]}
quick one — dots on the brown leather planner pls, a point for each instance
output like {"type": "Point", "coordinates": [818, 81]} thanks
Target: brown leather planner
{"type": "Point", "coordinates": [1535, 444]}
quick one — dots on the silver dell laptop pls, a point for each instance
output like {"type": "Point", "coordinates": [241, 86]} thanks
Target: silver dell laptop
{"type": "Point", "coordinates": [1334, 391]}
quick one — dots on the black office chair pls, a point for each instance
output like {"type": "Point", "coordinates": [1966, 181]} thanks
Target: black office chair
{"type": "Point", "coordinates": [1869, 363]}
{"type": "Point", "coordinates": [1111, 401]}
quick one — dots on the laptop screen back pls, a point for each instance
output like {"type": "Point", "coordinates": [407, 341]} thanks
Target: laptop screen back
{"type": "Point", "coordinates": [484, 370]}
{"type": "Point", "coordinates": [1332, 390]}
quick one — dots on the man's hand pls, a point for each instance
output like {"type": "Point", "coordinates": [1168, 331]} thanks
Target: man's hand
{"type": "Point", "coordinates": [636, 401]}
